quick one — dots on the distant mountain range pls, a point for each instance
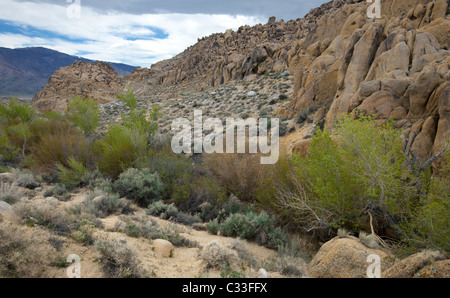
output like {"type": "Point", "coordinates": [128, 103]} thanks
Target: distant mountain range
{"type": "Point", "coordinates": [25, 71]}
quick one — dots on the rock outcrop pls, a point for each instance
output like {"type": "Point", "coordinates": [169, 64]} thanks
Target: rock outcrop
{"type": "Point", "coordinates": [97, 81]}
{"type": "Point", "coordinates": [348, 257]}
{"type": "Point", "coordinates": [345, 258]}
{"type": "Point", "coordinates": [410, 266]}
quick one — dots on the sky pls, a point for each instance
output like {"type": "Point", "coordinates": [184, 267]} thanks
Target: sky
{"type": "Point", "coordinates": [134, 32]}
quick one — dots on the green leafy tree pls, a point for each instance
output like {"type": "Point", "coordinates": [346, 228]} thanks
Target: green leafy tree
{"type": "Point", "coordinates": [128, 146]}
{"type": "Point", "coordinates": [16, 111]}
{"type": "Point", "coordinates": [84, 113]}
{"type": "Point", "coordinates": [118, 151]}
{"type": "Point", "coordinates": [358, 172]}
{"type": "Point", "coordinates": [23, 132]}
{"type": "Point", "coordinates": [137, 119]}
{"type": "Point", "coordinates": [428, 227]}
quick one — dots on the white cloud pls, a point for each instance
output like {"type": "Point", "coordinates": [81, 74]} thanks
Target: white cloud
{"type": "Point", "coordinates": [111, 35]}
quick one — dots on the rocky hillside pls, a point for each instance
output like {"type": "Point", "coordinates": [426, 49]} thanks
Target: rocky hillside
{"type": "Point", "coordinates": [23, 72]}
{"type": "Point", "coordinates": [340, 61]}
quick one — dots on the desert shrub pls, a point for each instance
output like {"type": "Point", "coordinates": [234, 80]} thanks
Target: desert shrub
{"type": "Point", "coordinates": [427, 226]}
{"type": "Point", "coordinates": [128, 146]}
{"type": "Point", "coordinates": [118, 259]}
{"type": "Point", "coordinates": [223, 209]}
{"type": "Point", "coordinates": [27, 180]}
{"type": "Point", "coordinates": [19, 135]}
{"type": "Point", "coordinates": [239, 174]}
{"type": "Point", "coordinates": [283, 97]}
{"type": "Point", "coordinates": [213, 227]}
{"type": "Point", "coordinates": [102, 184]}
{"type": "Point", "coordinates": [237, 225]}
{"type": "Point", "coordinates": [253, 227]}
{"type": "Point", "coordinates": [263, 113]}
{"type": "Point", "coordinates": [148, 230]}
{"type": "Point", "coordinates": [232, 206]}
{"type": "Point", "coordinates": [43, 212]}
{"type": "Point", "coordinates": [141, 186]}
{"type": "Point", "coordinates": [172, 235]}
{"type": "Point", "coordinates": [302, 116]}
{"type": "Point", "coordinates": [84, 113]}
{"type": "Point", "coordinates": [171, 212]}
{"type": "Point", "coordinates": [201, 189]}
{"type": "Point", "coordinates": [158, 208]}
{"type": "Point", "coordinates": [185, 182]}
{"type": "Point", "coordinates": [59, 191]}
{"type": "Point", "coordinates": [8, 153]}
{"type": "Point", "coordinates": [175, 171]}
{"type": "Point", "coordinates": [215, 255]}
{"type": "Point", "coordinates": [227, 272]}
{"type": "Point", "coordinates": [54, 142]}
{"type": "Point", "coordinates": [208, 212]}
{"type": "Point", "coordinates": [23, 254]}
{"type": "Point", "coordinates": [9, 193]}
{"type": "Point", "coordinates": [369, 240]}
{"type": "Point", "coordinates": [16, 111]}
{"type": "Point", "coordinates": [143, 228]}
{"type": "Point", "coordinates": [104, 204]}
{"type": "Point", "coordinates": [50, 177]}
{"type": "Point", "coordinates": [72, 175]}
{"type": "Point", "coordinates": [283, 129]}
{"type": "Point", "coordinates": [119, 150]}
{"type": "Point", "coordinates": [265, 232]}
{"type": "Point", "coordinates": [84, 231]}
{"type": "Point", "coordinates": [277, 176]}
{"type": "Point", "coordinates": [186, 219]}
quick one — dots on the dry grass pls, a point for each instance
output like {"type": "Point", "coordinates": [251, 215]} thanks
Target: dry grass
{"type": "Point", "coordinates": [54, 143]}
{"type": "Point", "coordinates": [240, 174]}
{"type": "Point", "coordinates": [24, 254]}
{"type": "Point", "coordinates": [43, 212]}
{"type": "Point", "coordinates": [9, 193]}
{"type": "Point", "coordinates": [119, 260]}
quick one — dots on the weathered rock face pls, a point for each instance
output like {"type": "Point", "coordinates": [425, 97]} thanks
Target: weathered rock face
{"type": "Point", "coordinates": [394, 67]}
{"type": "Point", "coordinates": [348, 258]}
{"type": "Point", "coordinates": [345, 258]}
{"type": "Point", "coordinates": [97, 81]}
{"type": "Point", "coordinates": [408, 267]}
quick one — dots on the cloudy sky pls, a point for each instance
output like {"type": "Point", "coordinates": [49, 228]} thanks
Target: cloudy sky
{"type": "Point", "coordinates": [134, 32]}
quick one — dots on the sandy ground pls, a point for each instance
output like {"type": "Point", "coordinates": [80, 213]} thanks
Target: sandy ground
{"type": "Point", "coordinates": [184, 263]}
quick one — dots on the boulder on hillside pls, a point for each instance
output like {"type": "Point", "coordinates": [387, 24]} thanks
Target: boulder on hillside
{"type": "Point", "coordinates": [345, 258]}
{"type": "Point", "coordinates": [409, 266]}
{"type": "Point", "coordinates": [163, 248]}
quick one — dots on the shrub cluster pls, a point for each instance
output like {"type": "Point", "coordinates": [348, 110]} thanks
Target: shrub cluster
{"type": "Point", "coordinates": [250, 226]}
{"type": "Point", "coordinates": [172, 213]}
{"type": "Point", "coordinates": [141, 186]}
{"type": "Point", "coordinates": [118, 259]}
